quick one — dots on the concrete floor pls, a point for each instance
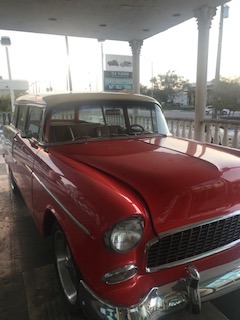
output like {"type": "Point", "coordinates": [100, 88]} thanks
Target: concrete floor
{"type": "Point", "coordinates": [28, 286]}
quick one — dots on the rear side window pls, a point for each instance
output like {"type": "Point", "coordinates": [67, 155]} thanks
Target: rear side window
{"type": "Point", "coordinates": [22, 117]}
{"type": "Point", "coordinates": [14, 117]}
{"type": "Point", "coordinates": [34, 121]}
{"type": "Point", "coordinates": [63, 113]}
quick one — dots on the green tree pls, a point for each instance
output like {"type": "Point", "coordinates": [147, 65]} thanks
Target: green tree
{"type": "Point", "coordinates": [145, 90]}
{"type": "Point", "coordinates": [165, 86]}
{"type": "Point", "coordinates": [5, 104]}
{"type": "Point", "coordinates": [228, 94]}
{"type": "Point", "coordinates": [5, 101]}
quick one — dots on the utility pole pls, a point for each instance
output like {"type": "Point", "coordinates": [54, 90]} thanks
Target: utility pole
{"type": "Point", "coordinates": [5, 41]}
{"type": "Point", "coordinates": [223, 14]}
{"type": "Point", "coordinates": [69, 77]}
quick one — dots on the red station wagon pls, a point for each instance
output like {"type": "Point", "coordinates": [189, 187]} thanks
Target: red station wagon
{"type": "Point", "coordinates": [143, 224]}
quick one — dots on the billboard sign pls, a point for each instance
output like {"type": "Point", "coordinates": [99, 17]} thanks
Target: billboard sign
{"type": "Point", "coordinates": [118, 63]}
{"type": "Point", "coordinates": [118, 73]}
{"type": "Point", "coordinates": [117, 81]}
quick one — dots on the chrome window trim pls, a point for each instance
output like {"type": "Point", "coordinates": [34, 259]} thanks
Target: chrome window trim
{"type": "Point", "coordinates": [81, 226]}
{"type": "Point", "coordinates": [186, 227]}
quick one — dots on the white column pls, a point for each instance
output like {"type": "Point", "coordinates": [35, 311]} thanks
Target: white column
{"type": "Point", "coordinates": [204, 17]}
{"type": "Point", "coordinates": [136, 49]}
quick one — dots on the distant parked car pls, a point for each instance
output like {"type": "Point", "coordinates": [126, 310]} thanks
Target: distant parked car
{"type": "Point", "coordinates": [142, 223]}
{"type": "Point", "coordinates": [225, 112]}
{"type": "Point", "coordinates": [208, 109]}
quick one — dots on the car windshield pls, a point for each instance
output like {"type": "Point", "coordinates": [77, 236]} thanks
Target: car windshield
{"type": "Point", "coordinates": [92, 121]}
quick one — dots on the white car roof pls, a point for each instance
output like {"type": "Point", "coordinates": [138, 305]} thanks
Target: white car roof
{"type": "Point", "coordinates": [56, 98]}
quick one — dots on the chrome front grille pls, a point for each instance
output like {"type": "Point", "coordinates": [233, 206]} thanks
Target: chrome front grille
{"type": "Point", "coordinates": [192, 243]}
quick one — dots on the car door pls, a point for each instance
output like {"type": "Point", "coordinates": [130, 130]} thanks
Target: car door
{"type": "Point", "coordinates": [25, 148]}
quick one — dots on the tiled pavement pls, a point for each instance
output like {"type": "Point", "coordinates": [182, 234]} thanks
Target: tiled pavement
{"type": "Point", "coordinates": [28, 287]}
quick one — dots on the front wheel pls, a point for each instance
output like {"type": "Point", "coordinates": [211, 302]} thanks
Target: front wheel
{"type": "Point", "coordinates": [12, 182]}
{"type": "Point", "coordinates": [66, 268]}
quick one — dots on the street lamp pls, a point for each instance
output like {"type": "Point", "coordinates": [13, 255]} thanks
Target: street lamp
{"type": "Point", "coordinates": [69, 76]}
{"type": "Point", "coordinates": [102, 63]}
{"type": "Point", "coordinates": [223, 14]}
{"type": "Point", "coordinates": [5, 41]}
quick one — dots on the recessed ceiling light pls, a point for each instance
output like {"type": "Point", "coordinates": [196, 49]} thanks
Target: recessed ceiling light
{"type": "Point", "coordinates": [102, 25]}
{"type": "Point", "coordinates": [127, 6]}
{"type": "Point", "coordinates": [145, 30]}
{"type": "Point", "coordinates": [176, 15]}
{"type": "Point", "coordinates": [52, 19]}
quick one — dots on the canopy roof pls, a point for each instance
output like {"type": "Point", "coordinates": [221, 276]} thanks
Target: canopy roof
{"type": "Point", "coordinates": [101, 19]}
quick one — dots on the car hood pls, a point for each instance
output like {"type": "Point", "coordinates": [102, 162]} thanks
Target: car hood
{"type": "Point", "coordinates": [180, 181]}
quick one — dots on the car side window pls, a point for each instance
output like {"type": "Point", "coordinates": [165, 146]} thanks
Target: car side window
{"type": "Point", "coordinates": [22, 117]}
{"type": "Point", "coordinates": [34, 121]}
{"type": "Point", "coordinates": [14, 116]}
{"type": "Point", "coordinates": [67, 113]}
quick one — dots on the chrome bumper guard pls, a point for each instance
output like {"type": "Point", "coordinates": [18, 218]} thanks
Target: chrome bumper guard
{"type": "Point", "coordinates": [164, 300]}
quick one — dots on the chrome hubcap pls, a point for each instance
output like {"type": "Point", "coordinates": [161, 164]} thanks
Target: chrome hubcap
{"type": "Point", "coordinates": [65, 266]}
{"type": "Point", "coordinates": [12, 183]}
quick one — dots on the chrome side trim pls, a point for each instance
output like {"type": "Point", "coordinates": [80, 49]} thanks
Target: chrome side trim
{"type": "Point", "coordinates": [81, 226]}
{"type": "Point", "coordinates": [196, 257]}
{"type": "Point", "coordinates": [28, 168]}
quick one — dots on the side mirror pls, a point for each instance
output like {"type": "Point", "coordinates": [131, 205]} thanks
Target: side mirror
{"type": "Point", "coordinates": [26, 134]}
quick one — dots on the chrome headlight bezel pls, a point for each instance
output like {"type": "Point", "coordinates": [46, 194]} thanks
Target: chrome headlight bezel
{"type": "Point", "coordinates": [125, 234]}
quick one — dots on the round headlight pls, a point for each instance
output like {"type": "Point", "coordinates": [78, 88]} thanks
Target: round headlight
{"type": "Point", "coordinates": [126, 234]}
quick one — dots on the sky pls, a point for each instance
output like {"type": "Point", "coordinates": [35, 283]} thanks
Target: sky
{"type": "Point", "coordinates": [42, 60]}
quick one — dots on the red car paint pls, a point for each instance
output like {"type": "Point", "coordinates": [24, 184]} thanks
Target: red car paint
{"type": "Point", "coordinates": [171, 183]}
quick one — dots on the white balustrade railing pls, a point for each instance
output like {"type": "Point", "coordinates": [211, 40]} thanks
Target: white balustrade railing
{"type": "Point", "coordinates": [218, 131]}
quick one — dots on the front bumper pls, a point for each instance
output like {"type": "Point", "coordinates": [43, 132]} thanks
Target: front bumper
{"type": "Point", "coordinates": [161, 301]}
